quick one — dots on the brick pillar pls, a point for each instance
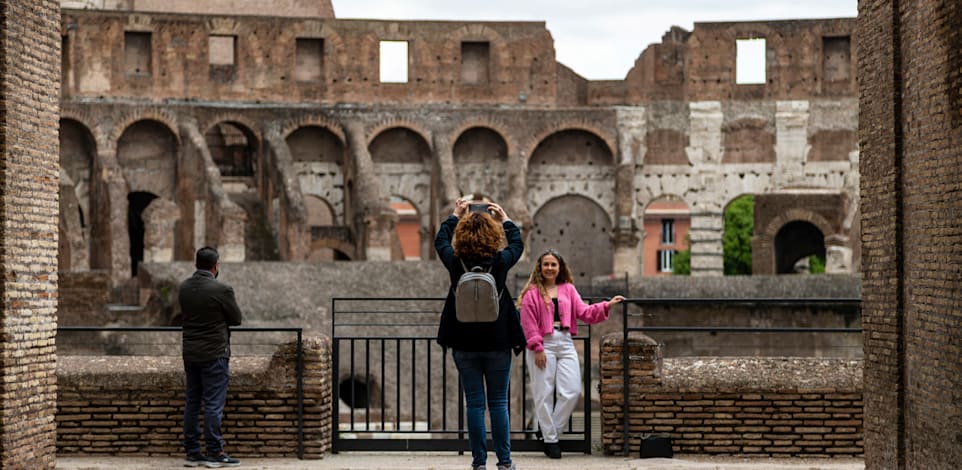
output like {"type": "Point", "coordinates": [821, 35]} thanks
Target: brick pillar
{"type": "Point", "coordinates": [644, 373]}
{"type": "Point", "coordinates": [29, 183]}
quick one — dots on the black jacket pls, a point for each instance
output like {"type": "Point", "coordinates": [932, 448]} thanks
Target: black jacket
{"type": "Point", "coordinates": [506, 332]}
{"type": "Point", "coordinates": [207, 307]}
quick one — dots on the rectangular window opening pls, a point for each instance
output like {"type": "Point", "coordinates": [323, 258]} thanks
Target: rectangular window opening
{"type": "Point", "coordinates": [474, 62]}
{"type": "Point", "coordinates": [137, 53]}
{"type": "Point", "coordinates": [750, 61]}
{"type": "Point", "coordinates": [394, 62]}
{"type": "Point", "coordinates": [665, 258]}
{"type": "Point", "coordinates": [836, 59]}
{"type": "Point", "coordinates": [667, 231]}
{"type": "Point", "coordinates": [222, 57]}
{"type": "Point", "coordinates": [309, 60]}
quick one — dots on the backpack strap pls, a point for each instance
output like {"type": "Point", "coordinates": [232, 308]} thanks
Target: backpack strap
{"type": "Point", "coordinates": [482, 267]}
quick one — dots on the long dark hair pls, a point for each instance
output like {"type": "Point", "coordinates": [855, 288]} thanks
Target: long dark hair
{"type": "Point", "coordinates": [536, 279]}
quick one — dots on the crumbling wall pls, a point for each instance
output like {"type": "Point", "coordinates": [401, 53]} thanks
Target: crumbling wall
{"type": "Point", "coordinates": [134, 405]}
{"type": "Point", "coordinates": [777, 407]}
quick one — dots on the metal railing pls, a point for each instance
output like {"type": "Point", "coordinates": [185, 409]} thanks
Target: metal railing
{"type": "Point", "coordinates": [747, 302]}
{"type": "Point", "coordinates": [392, 342]}
{"type": "Point", "coordinates": [299, 352]}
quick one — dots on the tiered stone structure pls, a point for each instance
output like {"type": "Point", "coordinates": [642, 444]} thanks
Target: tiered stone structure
{"type": "Point", "coordinates": [274, 137]}
{"type": "Point", "coordinates": [773, 407]}
{"type": "Point", "coordinates": [29, 175]}
{"type": "Point", "coordinates": [910, 126]}
{"type": "Point", "coordinates": [135, 405]}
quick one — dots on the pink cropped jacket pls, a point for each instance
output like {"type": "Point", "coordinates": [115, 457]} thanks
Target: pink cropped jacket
{"type": "Point", "coordinates": [537, 318]}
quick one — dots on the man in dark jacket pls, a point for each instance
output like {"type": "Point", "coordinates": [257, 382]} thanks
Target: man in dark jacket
{"type": "Point", "coordinates": [208, 308]}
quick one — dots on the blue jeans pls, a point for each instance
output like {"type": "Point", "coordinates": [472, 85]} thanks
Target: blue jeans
{"type": "Point", "coordinates": [477, 369]}
{"type": "Point", "coordinates": [206, 385]}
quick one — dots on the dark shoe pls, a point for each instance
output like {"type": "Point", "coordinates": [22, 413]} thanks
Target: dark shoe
{"type": "Point", "coordinates": [195, 460]}
{"type": "Point", "coordinates": [221, 460]}
{"type": "Point", "coordinates": [507, 466]}
{"type": "Point", "coordinates": [552, 450]}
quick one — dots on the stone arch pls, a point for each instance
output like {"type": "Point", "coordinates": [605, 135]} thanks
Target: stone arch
{"type": "Point", "coordinates": [667, 221]}
{"type": "Point", "coordinates": [400, 145]}
{"type": "Point", "coordinates": [410, 235]}
{"type": "Point", "coordinates": [748, 140]}
{"type": "Point", "coordinates": [163, 117]}
{"type": "Point", "coordinates": [233, 147]}
{"type": "Point", "coordinates": [767, 236]}
{"type": "Point", "coordinates": [330, 125]}
{"type": "Point", "coordinates": [831, 145]}
{"type": "Point", "coordinates": [147, 154]}
{"type": "Point", "coordinates": [567, 144]}
{"type": "Point", "coordinates": [497, 127]}
{"type": "Point", "coordinates": [78, 152]}
{"type": "Point", "coordinates": [398, 123]}
{"type": "Point", "coordinates": [666, 147]}
{"type": "Point", "coordinates": [794, 241]}
{"type": "Point", "coordinates": [599, 133]}
{"type": "Point", "coordinates": [320, 213]}
{"type": "Point", "coordinates": [316, 143]}
{"type": "Point", "coordinates": [480, 157]}
{"type": "Point", "coordinates": [101, 139]}
{"type": "Point", "coordinates": [581, 230]}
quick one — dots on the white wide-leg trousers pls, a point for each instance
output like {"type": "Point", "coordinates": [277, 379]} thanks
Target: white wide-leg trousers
{"type": "Point", "coordinates": [562, 374]}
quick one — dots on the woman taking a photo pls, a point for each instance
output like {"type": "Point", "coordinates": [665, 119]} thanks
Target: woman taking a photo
{"type": "Point", "coordinates": [484, 238]}
{"type": "Point", "coordinates": [550, 310]}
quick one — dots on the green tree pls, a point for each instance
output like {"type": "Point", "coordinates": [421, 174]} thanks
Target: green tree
{"type": "Point", "coordinates": [816, 264]}
{"type": "Point", "coordinates": [737, 237]}
{"type": "Point", "coordinates": [681, 263]}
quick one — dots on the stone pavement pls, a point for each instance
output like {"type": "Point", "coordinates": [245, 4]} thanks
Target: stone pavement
{"type": "Point", "coordinates": [450, 461]}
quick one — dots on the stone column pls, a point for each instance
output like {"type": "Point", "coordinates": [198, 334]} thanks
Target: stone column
{"type": "Point", "coordinates": [374, 221]}
{"type": "Point", "coordinates": [791, 142]}
{"type": "Point", "coordinates": [447, 178]}
{"type": "Point", "coordinates": [644, 374]}
{"type": "Point", "coordinates": [516, 200]}
{"type": "Point", "coordinates": [632, 134]}
{"type": "Point", "coordinates": [707, 221]}
{"type": "Point", "coordinates": [29, 209]}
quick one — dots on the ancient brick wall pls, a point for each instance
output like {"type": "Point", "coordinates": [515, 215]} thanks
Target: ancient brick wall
{"type": "Point", "coordinates": [126, 405]}
{"type": "Point", "coordinates": [169, 56]}
{"type": "Point", "coordinates": [775, 407]}
{"type": "Point", "coordinates": [29, 184]}
{"type": "Point", "coordinates": [910, 124]}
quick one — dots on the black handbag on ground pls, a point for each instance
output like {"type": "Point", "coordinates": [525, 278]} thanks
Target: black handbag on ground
{"type": "Point", "coordinates": [656, 446]}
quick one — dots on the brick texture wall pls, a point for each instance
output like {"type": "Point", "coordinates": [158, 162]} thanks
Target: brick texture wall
{"type": "Point", "coordinates": [910, 125]}
{"type": "Point", "coordinates": [29, 181]}
{"type": "Point", "coordinates": [124, 405]}
{"type": "Point", "coordinates": [776, 407]}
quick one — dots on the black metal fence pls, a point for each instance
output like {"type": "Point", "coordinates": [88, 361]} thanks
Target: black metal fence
{"type": "Point", "coordinates": [166, 341]}
{"type": "Point", "coordinates": [402, 391]}
{"type": "Point", "coordinates": [633, 320]}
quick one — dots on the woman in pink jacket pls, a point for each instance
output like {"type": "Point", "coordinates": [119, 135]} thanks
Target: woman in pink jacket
{"type": "Point", "coordinates": [550, 310]}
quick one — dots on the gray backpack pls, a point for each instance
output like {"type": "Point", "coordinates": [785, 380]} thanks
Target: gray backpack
{"type": "Point", "coordinates": [476, 296]}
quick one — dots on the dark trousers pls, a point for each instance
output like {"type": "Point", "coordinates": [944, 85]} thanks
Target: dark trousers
{"type": "Point", "coordinates": [206, 387]}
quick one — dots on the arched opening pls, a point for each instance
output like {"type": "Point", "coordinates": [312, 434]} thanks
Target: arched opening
{"type": "Point", "coordinates": [354, 392]}
{"type": "Point", "coordinates": [572, 147]}
{"type": "Point", "coordinates": [408, 228]}
{"type": "Point", "coordinates": [480, 161]}
{"type": "Point", "coordinates": [137, 201]}
{"type": "Point", "coordinates": [737, 235]}
{"type": "Point", "coordinates": [795, 242]}
{"type": "Point", "coordinates": [233, 148]}
{"type": "Point", "coordinates": [667, 221]}
{"type": "Point", "coordinates": [580, 230]}
{"type": "Point", "coordinates": [77, 153]}
{"type": "Point", "coordinates": [400, 145]}
{"type": "Point", "coordinates": [319, 214]}
{"type": "Point", "coordinates": [319, 157]}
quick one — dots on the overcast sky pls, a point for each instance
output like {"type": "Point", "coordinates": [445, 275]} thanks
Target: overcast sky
{"type": "Point", "coordinates": [598, 39]}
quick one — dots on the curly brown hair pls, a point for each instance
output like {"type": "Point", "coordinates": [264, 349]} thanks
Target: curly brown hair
{"type": "Point", "coordinates": [536, 279]}
{"type": "Point", "coordinates": [477, 236]}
